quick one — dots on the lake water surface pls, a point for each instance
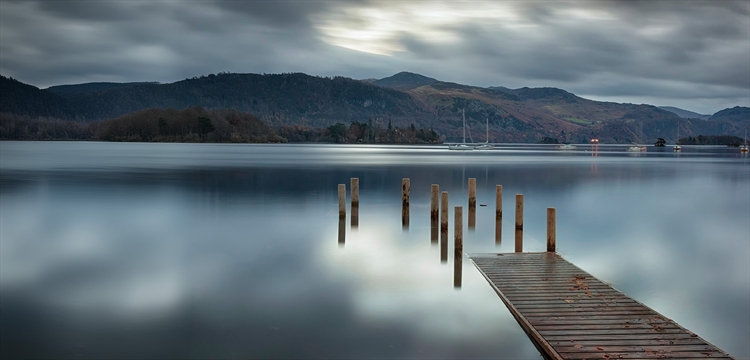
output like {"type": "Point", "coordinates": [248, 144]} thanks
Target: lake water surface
{"type": "Point", "coordinates": [137, 250]}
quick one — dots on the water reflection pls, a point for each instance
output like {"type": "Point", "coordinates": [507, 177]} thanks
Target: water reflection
{"type": "Point", "coordinates": [355, 216]}
{"type": "Point", "coordinates": [472, 217]}
{"type": "Point", "coordinates": [342, 231]}
{"type": "Point", "coordinates": [458, 257]}
{"type": "Point", "coordinates": [189, 250]}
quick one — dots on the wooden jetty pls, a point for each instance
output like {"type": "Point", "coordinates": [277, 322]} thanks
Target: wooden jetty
{"type": "Point", "coordinates": [569, 314]}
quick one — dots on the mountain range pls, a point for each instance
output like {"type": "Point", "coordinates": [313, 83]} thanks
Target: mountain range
{"type": "Point", "coordinates": [513, 115]}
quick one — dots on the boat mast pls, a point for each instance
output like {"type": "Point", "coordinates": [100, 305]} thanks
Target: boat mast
{"type": "Point", "coordinates": [463, 116]}
{"type": "Point", "coordinates": [487, 131]}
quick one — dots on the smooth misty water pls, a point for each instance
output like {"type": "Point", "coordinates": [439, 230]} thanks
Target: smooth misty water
{"type": "Point", "coordinates": [114, 250]}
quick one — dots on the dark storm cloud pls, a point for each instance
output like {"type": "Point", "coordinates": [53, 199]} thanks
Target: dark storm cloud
{"type": "Point", "coordinates": [277, 13]}
{"type": "Point", "coordinates": [666, 49]}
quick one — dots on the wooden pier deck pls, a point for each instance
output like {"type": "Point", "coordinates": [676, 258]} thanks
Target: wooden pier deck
{"type": "Point", "coordinates": [569, 314]}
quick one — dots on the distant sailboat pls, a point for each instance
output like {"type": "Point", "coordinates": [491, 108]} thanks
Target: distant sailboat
{"type": "Point", "coordinates": [743, 147]}
{"type": "Point", "coordinates": [566, 147]}
{"type": "Point", "coordinates": [677, 146]}
{"type": "Point", "coordinates": [486, 145]}
{"type": "Point", "coordinates": [461, 146]}
{"type": "Point", "coordinates": [637, 147]}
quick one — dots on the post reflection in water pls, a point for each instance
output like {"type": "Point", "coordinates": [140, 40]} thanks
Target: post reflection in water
{"type": "Point", "coordinates": [499, 229]}
{"type": "Point", "coordinates": [472, 217]}
{"type": "Point", "coordinates": [444, 245]}
{"type": "Point", "coordinates": [434, 212]}
{"type": "Point", "coordinates": [498, 214]}
{"type": "Point", "coordinates": [405, 189]}
{"type": "Point", "coordinates": [342, 230]}
{"type": "Point", "coordinates": [457, 267]}
{"type": "Point", "coordinates": [472, 203]}
{"type": "Point", "coordinates": [355, 216]}
{"type": "Point", "coordinates": [458, 246]}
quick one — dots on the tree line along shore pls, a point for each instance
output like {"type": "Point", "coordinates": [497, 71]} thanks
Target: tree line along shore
{"type": "Point", "coordinates": [200, 125]}
{"type": "Point", "coordinates": [229, 126]}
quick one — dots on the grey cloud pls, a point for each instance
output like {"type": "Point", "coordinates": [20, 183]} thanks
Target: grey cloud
{"type": "Point", "coordinates": [85, 10]}
{"type": "Point", "coordinates": [703, 46]}
{"type": "Point", "coordinates": [277, 13]}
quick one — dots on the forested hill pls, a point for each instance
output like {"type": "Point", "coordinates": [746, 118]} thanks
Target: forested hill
{"type": "Point", "coordinates": [22, 99]}
{"type": "Point", "coordinates": [281, 99]}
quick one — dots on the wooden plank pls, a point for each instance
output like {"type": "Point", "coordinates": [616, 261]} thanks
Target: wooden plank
{"type": "Point", "coordinates": [569, 314]}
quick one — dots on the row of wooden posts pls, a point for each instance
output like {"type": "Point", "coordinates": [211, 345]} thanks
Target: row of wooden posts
{"type": "Point", "coordinates": [442, 209]}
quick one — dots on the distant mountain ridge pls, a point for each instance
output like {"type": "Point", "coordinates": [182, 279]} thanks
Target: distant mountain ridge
{"type": "Point", "coordinates": [72, 90]}
{"type": "Point", "coordinates": [404, 81]}
{"type": "Point", "coordinates": [686, 114]}
{"type": "Point", "coordinates": [514, 115]}
{"type": "Point", "coordinates": [739, 114]}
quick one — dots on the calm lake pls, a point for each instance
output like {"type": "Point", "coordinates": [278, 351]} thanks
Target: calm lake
{"type": "Point", "coordinates": [142, 250]}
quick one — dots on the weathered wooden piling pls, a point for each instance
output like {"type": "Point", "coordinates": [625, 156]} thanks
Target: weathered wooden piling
{"type": "Point", "coordinates": [551, 232]}
{"type": "Point", "coordinates": [354, 189]}
{"type": "Point", "coordinates": [342, 200]}
{"type": "Point", "coordinates": [405, 187]}
{"type": "Point", "coordinates": [519, 240]}
{"type": "Point", "coordinates": [458, 247]}
{"type": "Point", "coordinates": [519, 222]}
{"type": "Point", "coordinates": [458, 231]}
{"type": "Point", "coordinates": [444, 212]}
{"type": "Point", "coordinates": [472, 192]}
{"type": "Point", "coordinates": [354, 184]}
{"type": "Point", "coordinates": [444, 227]}
{"type": "Point", "coordinates": [498, 214]}
{"type": "Point", "coordinates": [519, 211]}
{"type": "Point", "coordinates": [498, 202]}
{"type": "Point", "coordinates": [434, 205]}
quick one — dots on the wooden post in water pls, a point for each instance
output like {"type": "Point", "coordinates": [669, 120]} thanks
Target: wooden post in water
{"type": "Point", "coordinates": [458, 247]}
{"type": "Point", "coordinates": [498, 214]}
{"type": "Point", "coordinates": [458, 257]}
{"type": "Point", "coordinates": [519, 211]}
{"type": "Point", "coordinates": [342, 230]}
{"type": "Point", "coordinates": [405, 186]}
{"type": "Point", "coordinates": [519, 222]}
{"type": "Point", "coordinates": [354, 184]}
{"type": "Point", "coordinates": [444, 212]}
{"type": "Point", "coordinates": [458, 231]}
{"type": "Point", "coordinates": [472, 203]}
{"type": "Point", "coordinates": [434, 212]}
{"type": "Point", "coordinates": [551, 232]}
{"type": "Point", "coordinates": [342, 200]}
{"type": "Point", "coordinates": [434, 206]}
{"type": "Point", "coordinates": [355, 191]}
{"type": "Point", "coordinates": [472, 192]}
{"type": "Point", "coordinates": [444, 227]}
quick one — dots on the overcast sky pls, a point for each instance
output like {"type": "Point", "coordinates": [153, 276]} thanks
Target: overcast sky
{"type": "Point", "coordinates": [692, 54]}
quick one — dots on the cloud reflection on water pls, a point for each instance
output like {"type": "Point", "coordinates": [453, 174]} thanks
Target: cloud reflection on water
{"type": "Point", "coordinates": [237, 258]}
